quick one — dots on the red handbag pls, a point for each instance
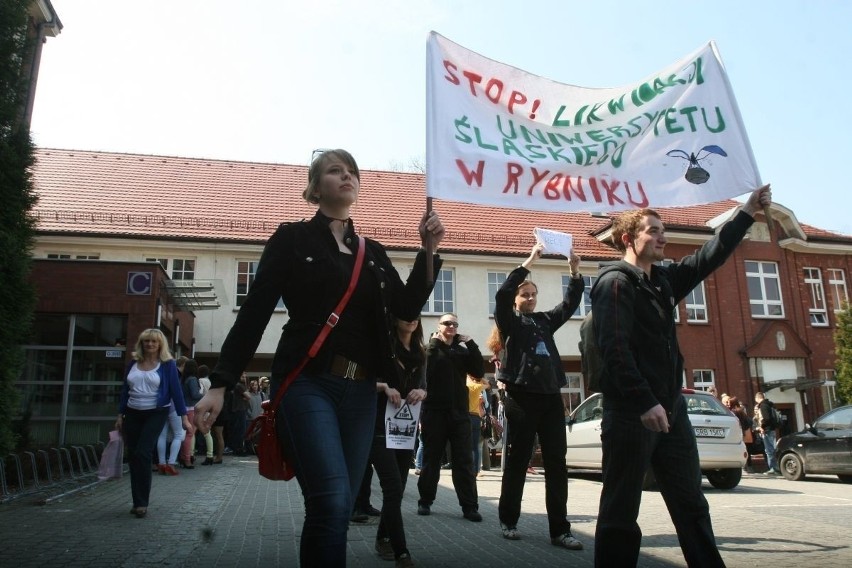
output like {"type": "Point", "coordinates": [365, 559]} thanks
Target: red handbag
{"type": "Point", "coordinates": [272, 463]}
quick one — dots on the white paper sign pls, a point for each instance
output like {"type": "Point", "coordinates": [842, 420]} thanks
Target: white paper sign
{"type": "Point", "coordinates": [554, 242]}
{"type": "Point", "coordinates": [401, 425]}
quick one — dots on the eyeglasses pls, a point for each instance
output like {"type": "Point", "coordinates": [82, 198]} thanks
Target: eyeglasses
{"type": "Point", "coordinates": [450, 323]}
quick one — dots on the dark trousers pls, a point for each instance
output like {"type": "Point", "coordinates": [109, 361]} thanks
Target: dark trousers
{"type": "Point", "coordinates": [440, 427]}
{"type": "Point", "coordinates": [392, 468]}
{"type": "Point", "coordinates": [236, 431]}
{"type": "Point", "coordinates": [141, 428]}
{"type": "Point", "coordinates": [628, 449]}
{"type": "Point", "coordinates": [529, 414]}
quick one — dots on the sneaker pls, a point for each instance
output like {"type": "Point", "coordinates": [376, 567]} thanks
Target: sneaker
{"type": "Point", "coordinates": [416, 471]}
{"type": "Point", "coordinates": [384, 549]}
{"type": "Point", "coordinates": [568, 541]}
{"type": "Point", "coordinates": [372, 511]}
{"type": "Point", "coordinates": [473, 515]}
{"type": "Point", "coordinates": [423, 509]}
{"type": "Point", "coordinates": [510, 533]}
{"type": "Point", "coordinates": [404, 561]}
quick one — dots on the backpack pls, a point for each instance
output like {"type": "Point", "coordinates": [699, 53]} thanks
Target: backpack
{"type": "Point", "coordinates": [775, 417]}
{"type": "Point", "coordinates": [591, 361]}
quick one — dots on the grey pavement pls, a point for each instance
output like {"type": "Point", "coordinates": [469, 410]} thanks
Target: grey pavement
{"type": "Point", "coordinates": [228, 516]}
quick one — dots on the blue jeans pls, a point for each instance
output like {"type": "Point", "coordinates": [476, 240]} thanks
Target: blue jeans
{"type": "Point", "coordinates": [418, 456]}
{"type": "Point", "coordinates": [628, 450]}
{"type": "Point", "coordinates": [141, 428]}
{"type": "Point", "coordinates": [476, 441]}
{"type": "Point", "coordinates": [769, 448]}
{"type": "Point", "coordinates": [326, 424]}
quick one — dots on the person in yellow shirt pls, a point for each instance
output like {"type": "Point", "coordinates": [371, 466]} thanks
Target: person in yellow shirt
{"type": "Point", "coordinates": [476, 409]}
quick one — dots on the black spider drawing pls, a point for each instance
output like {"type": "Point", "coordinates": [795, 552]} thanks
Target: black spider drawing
{"type": "Point", "coordinates": [694, 172]}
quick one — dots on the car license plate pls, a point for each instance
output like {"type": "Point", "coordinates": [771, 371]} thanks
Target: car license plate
{"type": "Point", "coordinates": [703, 432]}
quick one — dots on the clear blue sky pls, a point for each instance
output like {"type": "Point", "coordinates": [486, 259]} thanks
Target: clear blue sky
{"type": "Point", "coordinates": [269, 81]}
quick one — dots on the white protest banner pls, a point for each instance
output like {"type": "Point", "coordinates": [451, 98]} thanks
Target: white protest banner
{"type": "Point", "coordinates": [499, 136]}
{"type": "Point", "coordinates": [554, 242]}
{"type": "Point", "coordinates": [401, 425]}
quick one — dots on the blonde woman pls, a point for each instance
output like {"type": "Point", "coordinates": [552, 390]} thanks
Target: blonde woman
{"type": "Point", "coordinates": [151, 385]}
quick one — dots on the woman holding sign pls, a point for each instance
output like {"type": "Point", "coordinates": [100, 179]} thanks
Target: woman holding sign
{"type": "Point", "coordinates": [532, 372]}
{"type": "Point", "coordinates": [405, 382]}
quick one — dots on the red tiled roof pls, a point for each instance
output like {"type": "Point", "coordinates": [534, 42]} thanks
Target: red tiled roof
{"type": "Point", "coordinates": [144, 196]}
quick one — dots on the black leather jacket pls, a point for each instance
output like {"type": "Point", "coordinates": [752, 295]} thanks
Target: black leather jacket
{"type": "Point", "coordinates": [634, 322]}
{"type": "Point", "coordinates": [298, 265]}
{"type": "Point", "coordinates": [519, 333]}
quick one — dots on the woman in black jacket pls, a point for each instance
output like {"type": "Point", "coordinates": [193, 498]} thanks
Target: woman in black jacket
{"type": "Point", "coordinates": [532, 371]}
{"type": "Point", "coordinates": [405, 382]}
{"type": "Point", "coordinates": [326, 418]}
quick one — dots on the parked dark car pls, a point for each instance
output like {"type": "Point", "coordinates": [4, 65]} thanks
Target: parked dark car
{"type": "Point", "coordinates": [825, 447]}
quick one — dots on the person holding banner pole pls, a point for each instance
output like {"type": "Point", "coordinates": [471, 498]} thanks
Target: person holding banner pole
{"type": "Point", "coordinates": [404, 381]}
{"type": "Point", "coordinates": [645, 422]}
{"type": "Point", "coordinates": [531, 369]}
{"type": "Point", "coordinates": [326, 418]}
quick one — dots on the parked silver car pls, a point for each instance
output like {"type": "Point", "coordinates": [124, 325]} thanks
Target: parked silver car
{"type": "Point", "coordinates": [721, 451]}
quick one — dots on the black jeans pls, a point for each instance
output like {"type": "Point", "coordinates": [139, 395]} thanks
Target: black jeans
{"type": "Point", "coordinates": [628, 449]}
{"type": "Point", "coordinates": [141, 428]}
{"type": "Point", "coordinates": [392, 468]}
{"type": "Point", "coordinates": [438, 428]}
{"type": "Point", "coordinates": [529, 414]}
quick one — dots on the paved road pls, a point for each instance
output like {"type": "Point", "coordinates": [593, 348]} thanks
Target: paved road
{"type": "Point", "coordinates": [766, 521]}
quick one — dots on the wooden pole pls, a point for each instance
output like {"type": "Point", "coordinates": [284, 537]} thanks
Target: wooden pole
{"type": "Point", "coordinates": [430, 249]}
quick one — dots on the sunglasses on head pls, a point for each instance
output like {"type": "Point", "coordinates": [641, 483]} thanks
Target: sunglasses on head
{"type": "Point", "coordinates": [450, 323]}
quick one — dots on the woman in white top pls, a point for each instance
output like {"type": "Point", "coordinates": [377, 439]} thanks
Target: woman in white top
{"type": "Point", "coordinates": [151, 385]}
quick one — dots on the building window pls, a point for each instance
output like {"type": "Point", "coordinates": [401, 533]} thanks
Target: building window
{"type": "Point", "coordinates": [245, 276]}
{"type": "Point", "coordinates": [585, 306]}
{"type": "Point", "coordinates": [69, 256]}
{"type": "Point", "coordinates": [246, 270]}
{"type": "Point", "coordinates": [181, 268]}
{"type": "Point", "coordinates": [572, 393]}
{"type": "Point", "coordinates": [829, 389]}
{"type": "Point", "coordinates": [764, 289]}
{"type": "Point", "coordinates": [441, 301]}
{"type": "Point", "coordinates": [495, 280]}
{"type": "Point", "coordinates": [71, 383]}
{"type": "Point", "coordinates": [837, 287]}
{"type": "Point", "coordinates": [816, 295]}
{"type": "Point", "coordinates": [702, 379]}
{"type": "Point", "coordinates": [696, 305]}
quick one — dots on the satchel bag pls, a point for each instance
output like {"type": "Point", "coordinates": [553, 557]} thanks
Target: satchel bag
{"type": "Point", "coordinates": [112, 458]}
{"type": "Point", "coordinates": [272, 463]}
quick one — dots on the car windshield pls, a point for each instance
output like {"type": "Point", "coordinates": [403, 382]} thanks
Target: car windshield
{"type": "Point", "coordinates": [840, 419]}
{"type": "Point", "coordinates": [704, 404]}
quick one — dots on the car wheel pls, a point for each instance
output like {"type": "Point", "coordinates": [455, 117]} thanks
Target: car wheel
{"type": "Point", "coordinates": [792, 467]}
{"type": "Point", "coordinates": [725, 478]}
{"type": "Point", "coordinates": [845, 478]}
